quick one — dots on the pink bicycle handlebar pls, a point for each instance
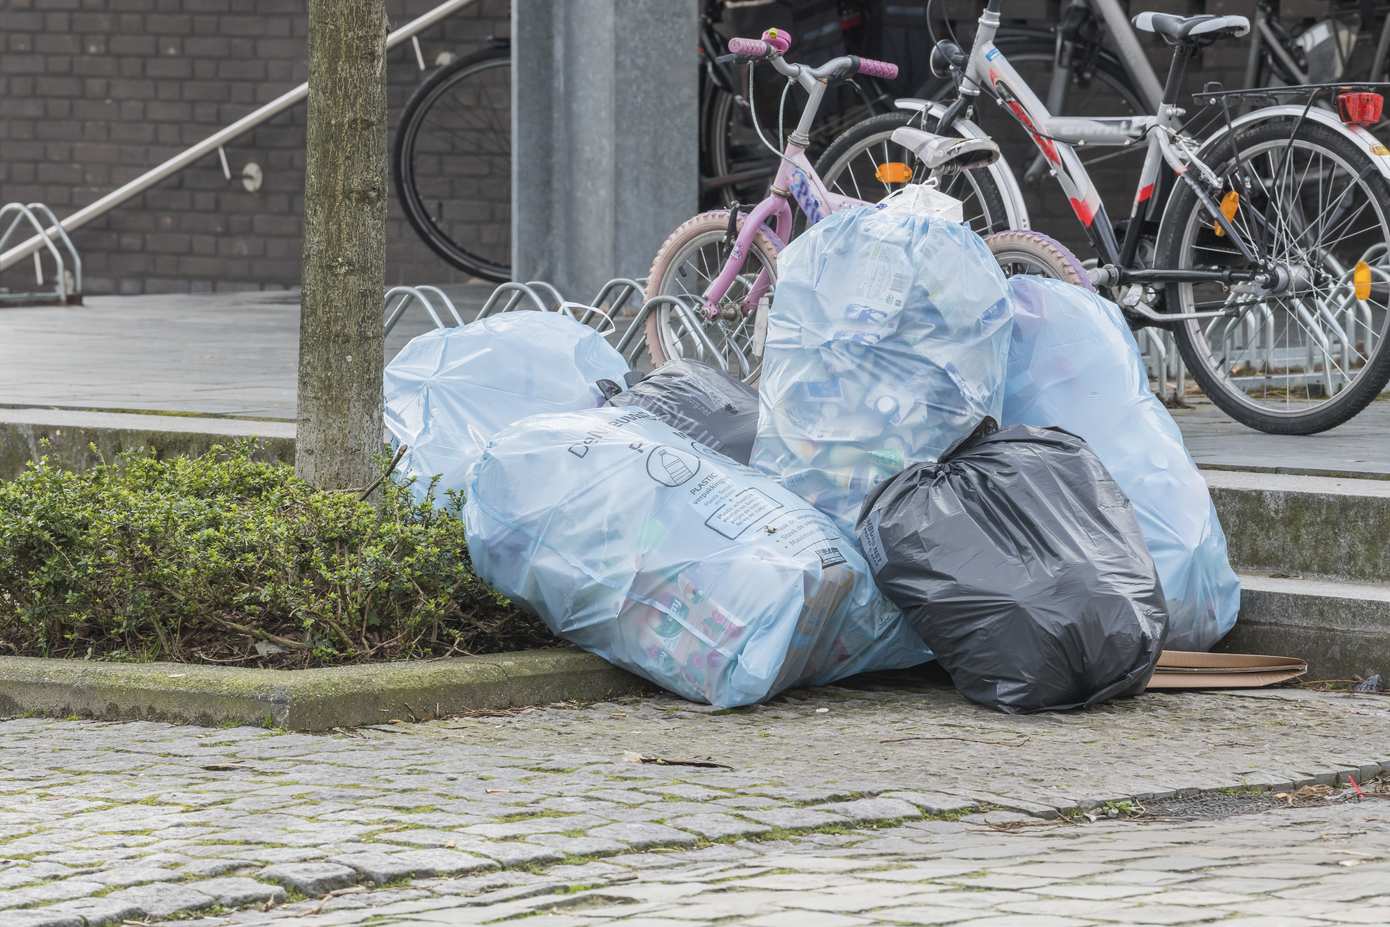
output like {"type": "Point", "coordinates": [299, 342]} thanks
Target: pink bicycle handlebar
{"type": "Point", "coordinates": [872, 67]}
{"type": "Point", "coordinates": [749, 48]}
{"type": "Point", "coordinates": [774, 41]}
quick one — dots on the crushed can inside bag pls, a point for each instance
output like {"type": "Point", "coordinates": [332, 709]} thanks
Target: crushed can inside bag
{"type": "Point", "coordinates": [887, 341]}
{"type": "Point", "coordinates": [1019, 561]}
{"type": "Point", "coordinates": [1073, 363]}
{"type": "Point", "coordinates": [704, 402]}
{"type": "Point", "coordinates": [451, 389]}
{"type": "Point", "coordinates": [670, 560]}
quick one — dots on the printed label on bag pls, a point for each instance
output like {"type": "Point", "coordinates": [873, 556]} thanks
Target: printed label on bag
{"type": "Point", "coordinates": [882, 287]}
{"type": "Point", "coordinates": [872, 543]}
{"type": "Point", "coordinates": [737, 511]}
{"type": "Point", "coordinates": [745, 509]}
{"type": "Point", "coordinates": [829, 557]}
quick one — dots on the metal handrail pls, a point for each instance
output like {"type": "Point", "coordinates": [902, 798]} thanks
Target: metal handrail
{"type": "Point", "coordinates": [210, 144]}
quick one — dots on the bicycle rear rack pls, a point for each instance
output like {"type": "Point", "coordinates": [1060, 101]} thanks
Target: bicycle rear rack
{"type": "Point", "coordinates": [66, 288]}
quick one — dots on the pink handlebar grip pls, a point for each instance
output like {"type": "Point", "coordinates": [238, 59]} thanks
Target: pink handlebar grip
{"type": "Point", "coordinates": [749, 48]}
{"type": "Point", "coordinates": [871, 67]}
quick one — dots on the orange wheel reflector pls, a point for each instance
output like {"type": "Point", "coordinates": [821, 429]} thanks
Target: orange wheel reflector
{"type": "Point", "coordinates": [893, 172]}
{"type": "Point", "coordinates": [1230, 204]}
{"type": "Point", "coordinates": [1361, 278]}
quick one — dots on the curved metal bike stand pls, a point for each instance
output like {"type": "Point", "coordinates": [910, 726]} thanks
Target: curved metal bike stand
{"type": "Point", "coordinates": [36, 214]}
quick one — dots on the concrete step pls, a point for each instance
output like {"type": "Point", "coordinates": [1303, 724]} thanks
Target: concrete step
{"type": "Point", "coordinates": [1341, 628]}
{"type": "Point", "coordinates": [1305, 525]}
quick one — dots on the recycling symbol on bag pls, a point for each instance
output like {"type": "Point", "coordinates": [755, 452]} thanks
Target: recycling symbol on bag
{"type": "Point", "coordinates": [671, 467]}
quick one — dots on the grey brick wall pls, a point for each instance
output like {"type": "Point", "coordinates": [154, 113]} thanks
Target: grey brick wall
{"type": "Point", "coordinates": [94, 92]}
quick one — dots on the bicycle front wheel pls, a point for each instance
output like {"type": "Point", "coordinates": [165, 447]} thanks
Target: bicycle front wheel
{"type": "Point", "coordinates": [684, 267]}
{"type": "Point", "coordinates": [1307, 357]}
{"type": "Point", "coordinates": [452, 163]}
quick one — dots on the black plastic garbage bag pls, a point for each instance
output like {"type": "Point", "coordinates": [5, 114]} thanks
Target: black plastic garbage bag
{"type": "Point", "coordinates": [701, 401]}
{"type": "Point", "coordinates": [1020, 563]}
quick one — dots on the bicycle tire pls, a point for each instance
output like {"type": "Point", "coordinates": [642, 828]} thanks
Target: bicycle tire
{"type": "Point", "coordinates": [712, 224]}
{"type": "Point", "coordinates": [877, 130]}
{"type": "Point", "coordinates": [1176, 224]}
{"type": "Point", "coordinates": [1049, 257]}
{"type": "Point", "coordinates": [413, 119]}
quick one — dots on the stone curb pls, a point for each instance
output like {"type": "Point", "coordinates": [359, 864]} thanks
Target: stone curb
{"type": "Point", "coordinates": [310, 699]}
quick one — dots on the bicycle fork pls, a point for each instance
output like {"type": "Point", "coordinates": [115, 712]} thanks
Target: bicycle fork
{"type": "Point", "coordinates": [773, 213]}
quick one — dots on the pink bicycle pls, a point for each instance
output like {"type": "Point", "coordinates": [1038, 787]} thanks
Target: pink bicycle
{"type": "Point", "coordinates": [722, 264]}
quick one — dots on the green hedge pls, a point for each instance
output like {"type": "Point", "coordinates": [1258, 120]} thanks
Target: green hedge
{"type": "Point", "coordinates": [221, 558]}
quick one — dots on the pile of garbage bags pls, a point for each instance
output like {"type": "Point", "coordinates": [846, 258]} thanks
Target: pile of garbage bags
{"type": "Point", "coordinates": [937, 462]}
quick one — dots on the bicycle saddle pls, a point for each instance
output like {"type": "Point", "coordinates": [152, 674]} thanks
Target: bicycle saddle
{"type": "Point", "coordinates": [1194, 30]}
{"type": "Point", "coordinates": [943, 154]}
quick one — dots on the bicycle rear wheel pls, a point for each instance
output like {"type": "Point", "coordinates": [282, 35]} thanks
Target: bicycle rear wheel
{"type": "Point", "coordinates": [452, 163]}
{"type": "Point", "coordinates": [1310, 357]}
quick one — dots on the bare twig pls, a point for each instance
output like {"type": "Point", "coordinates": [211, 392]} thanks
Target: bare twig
{"type": "Point", "coordinates": [261, 633]}
{"type": "Point", "coordinates": [400, 452]}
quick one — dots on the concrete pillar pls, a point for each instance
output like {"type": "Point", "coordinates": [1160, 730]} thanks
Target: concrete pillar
{"type": "Point", "coordinates": [605, 147]}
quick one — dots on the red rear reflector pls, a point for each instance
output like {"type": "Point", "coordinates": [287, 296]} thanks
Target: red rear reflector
{"type": "Point", "coordinates": [1361, 108]}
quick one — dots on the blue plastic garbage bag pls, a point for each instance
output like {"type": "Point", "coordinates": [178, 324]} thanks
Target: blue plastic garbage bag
{"type": "Point", "coordinates": [450, 390]}
{"type": "Point", "coordinates": [670, 560]}
{"type": "Point", "coordinates": [1074, 364]}
{"type": "Point", "coordinates": [886, 344]}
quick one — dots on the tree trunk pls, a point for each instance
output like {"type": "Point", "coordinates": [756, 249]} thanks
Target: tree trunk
{"type": "Point", "coordinates": [340, 327]}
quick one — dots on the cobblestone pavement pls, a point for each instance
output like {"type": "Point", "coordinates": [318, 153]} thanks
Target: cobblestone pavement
{"type": "Point", "coordinates": [101, 823]}
{"type": "Point", "coordinates": [1277, 869]}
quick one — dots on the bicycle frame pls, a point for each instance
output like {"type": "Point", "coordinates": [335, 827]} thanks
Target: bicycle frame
{"type": "Point", "coordinates": [796, 182]}
{"type": "Point", "coordinates": [988, 71]}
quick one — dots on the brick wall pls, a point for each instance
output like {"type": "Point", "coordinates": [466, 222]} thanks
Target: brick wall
{"type": "Point", "coordinates": [94, 92]}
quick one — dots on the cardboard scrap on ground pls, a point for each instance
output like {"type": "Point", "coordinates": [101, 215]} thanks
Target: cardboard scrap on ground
{"type": "Point", "coordinates": [1185, 669]}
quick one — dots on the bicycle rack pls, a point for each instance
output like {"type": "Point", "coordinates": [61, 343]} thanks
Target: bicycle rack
{"type": "Point", "coordinates": [67, 272]}
{"type": "Point", "coordinates": [423, 295]}
{"type": "Point", "coordinates": [608, 305]}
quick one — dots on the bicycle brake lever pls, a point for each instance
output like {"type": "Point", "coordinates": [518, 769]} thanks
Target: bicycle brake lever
{"type": "Point", "coordinates": [726, 59]}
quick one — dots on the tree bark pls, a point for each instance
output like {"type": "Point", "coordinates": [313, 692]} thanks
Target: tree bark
{"type": "Point", "coordinates": [340, 329]}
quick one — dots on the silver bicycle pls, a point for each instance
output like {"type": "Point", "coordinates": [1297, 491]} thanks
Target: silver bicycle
{"type": "Point", "coordinates": [1263, 248]}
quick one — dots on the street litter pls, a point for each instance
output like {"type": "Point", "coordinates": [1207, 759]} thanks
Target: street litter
{"type": "Point", "coordinates": [449, 390]}
{"type": "Point", "coordinates": [701, 401]}
{"type": "Point", "coordinates": [672, 561]}
{"type": "Point", "coordinates": [1045, 564]}
{"type": "Point", "coordinates": [886, 344]}
{"type": "Point", "coordinates": [1020, 562]}
{"type": "Point", "coordinates": [1074, 364]}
